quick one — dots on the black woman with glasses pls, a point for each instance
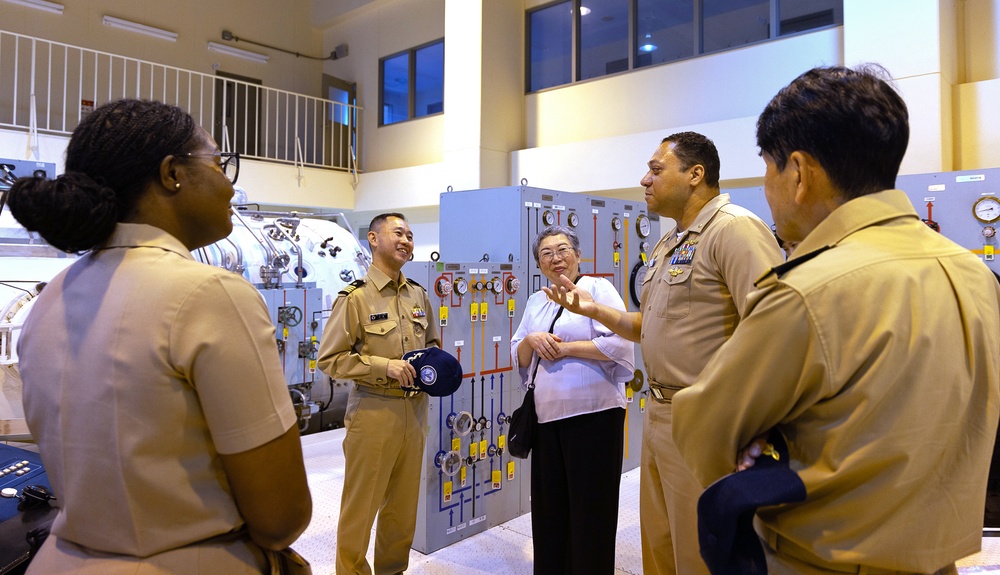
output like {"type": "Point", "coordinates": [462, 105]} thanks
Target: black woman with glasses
{"type": "Point", "coordinates": [150, 380]}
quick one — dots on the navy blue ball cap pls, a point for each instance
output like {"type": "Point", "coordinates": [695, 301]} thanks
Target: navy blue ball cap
{"type": "Point", "coordinates": [438, 372]}
{"type": "Point", "coordinates": [728, 542]}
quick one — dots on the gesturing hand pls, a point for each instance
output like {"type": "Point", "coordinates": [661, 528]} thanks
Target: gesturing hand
{"type": "Point", "coordinates": [571, 297]}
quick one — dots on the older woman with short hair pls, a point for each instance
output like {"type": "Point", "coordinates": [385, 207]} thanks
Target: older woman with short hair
{"type": "Point", "coordinates": [579, 369]}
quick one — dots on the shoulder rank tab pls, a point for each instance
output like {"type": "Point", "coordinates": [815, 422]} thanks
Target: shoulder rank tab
{"type": "Point", "coordinates": [411, 282]}
{"type": "Point", "coordinates": [780, 270]}
{"type": "Point", "coordinates": [351, 287]}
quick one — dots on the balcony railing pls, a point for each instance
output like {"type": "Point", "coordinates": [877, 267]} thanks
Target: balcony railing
{"type": "Point", "coordinates": [48, 87]}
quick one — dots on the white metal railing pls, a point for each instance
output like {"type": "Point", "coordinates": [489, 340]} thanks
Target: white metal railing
{"type": "Point", "coordinates": [47, 87]}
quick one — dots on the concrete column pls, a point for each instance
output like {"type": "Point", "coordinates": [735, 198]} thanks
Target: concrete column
{"type": "Point", "coordinates": [917, 42]}
{"type": "Point", "coordinates": [483, 91]}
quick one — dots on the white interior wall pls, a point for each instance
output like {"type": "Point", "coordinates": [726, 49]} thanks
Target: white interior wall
{"type": "Point", "coordinates": [591, 137]}
{"type": "Point", "coordinates": [373, 32]}
{"type": "Point", "coordinates": [281, 23]}
{"type": "Point", "coordinates": [982, 40]}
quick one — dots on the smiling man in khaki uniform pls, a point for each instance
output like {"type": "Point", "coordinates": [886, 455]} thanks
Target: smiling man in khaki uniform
{"type": "Point", "coordinates": [373, 323]}
{"type": "Point", "coordinates": [692, 299]}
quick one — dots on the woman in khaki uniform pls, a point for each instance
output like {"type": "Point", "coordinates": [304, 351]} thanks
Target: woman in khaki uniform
{"type": "Point", "coordinates": [150, 380]}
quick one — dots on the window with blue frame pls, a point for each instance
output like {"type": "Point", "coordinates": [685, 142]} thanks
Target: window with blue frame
{"type": "Point", "coordinates": [412, 83]}
{"type": "Point", "coordinates": [575, 40]}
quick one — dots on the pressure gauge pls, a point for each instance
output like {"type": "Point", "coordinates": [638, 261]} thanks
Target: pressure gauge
{"type": "Point", "coordinates": [461, 286]}
{"type": "Point", "coordinates": [986, 209]}
{"type": "Point", "coordinates": [636, 278]}
{"type": "Point", "coordinates": [548, 218]}
{"type": "Point", "coordinates": [616, 223]}
{"type": "Point", "coordinates": [573, 220]}
{"type": "Point", "coordinates": [642, 226]}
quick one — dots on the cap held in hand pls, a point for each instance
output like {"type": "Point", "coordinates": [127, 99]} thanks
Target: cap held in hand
{"type": "Point", "coordinates": [438, 372]}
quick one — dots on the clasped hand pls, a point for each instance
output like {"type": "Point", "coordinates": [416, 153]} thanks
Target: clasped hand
{"type": "Point", "coordinates": [747, 456]}
{"type": "Point", "coordinates": [545, 344]}
{"type": "Point", "coordinates": [401, 371]}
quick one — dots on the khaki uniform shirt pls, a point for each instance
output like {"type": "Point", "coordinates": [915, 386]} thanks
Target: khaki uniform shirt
{"type": "Point", "coordinates": [695, 290]}
{"type": "Point", "coordinates": [373, 323]}
{"type": "Point", "coordinates": [141, 366]}
{"type": "Point", "coordinates": [876, 352]}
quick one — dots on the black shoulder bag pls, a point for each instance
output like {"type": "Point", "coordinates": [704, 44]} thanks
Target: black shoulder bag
{"type": "Point", "coordinates": [524, 420]}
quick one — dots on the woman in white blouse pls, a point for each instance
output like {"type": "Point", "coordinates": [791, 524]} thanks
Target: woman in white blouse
{"type": "Point", "coordinates": [579, 368]}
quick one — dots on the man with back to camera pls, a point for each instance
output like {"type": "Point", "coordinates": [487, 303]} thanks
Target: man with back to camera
{"type": "Point", "coordinates": [875, 350]}
{"type": "Point", "coordinates": [693, 296]}
{"type": "Point", "coordinates": [375, 321]}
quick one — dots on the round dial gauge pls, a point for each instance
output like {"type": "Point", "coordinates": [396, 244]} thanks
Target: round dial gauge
{"type": "Point", "coordinates": [616, 223]}
{"type": "Point", "coordinates": [548, 218]}
{"type": "Point", "coordinates": [461, 286]}
{"type": "Point", "coordinates": [986, 209]}
{"type": "Point", "coordinates": [573, 220]}
{"type": "Point", "coordinates": [642, 226]}
{"type": "Point", "coordinates": [636, 278]}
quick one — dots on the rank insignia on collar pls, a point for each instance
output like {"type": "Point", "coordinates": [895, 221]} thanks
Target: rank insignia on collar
{"type": "Point", "coordinates": [419, 311]}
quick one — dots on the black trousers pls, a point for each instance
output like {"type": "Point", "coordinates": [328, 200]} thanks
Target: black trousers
{"type": "Point", "coordinates": [576, 472]}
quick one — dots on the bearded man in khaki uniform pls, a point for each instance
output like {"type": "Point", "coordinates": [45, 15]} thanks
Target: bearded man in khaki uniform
{"type": "Point", "coordinates": [693, 297]}
{"type": "Point", "coordinates": [375, 321]}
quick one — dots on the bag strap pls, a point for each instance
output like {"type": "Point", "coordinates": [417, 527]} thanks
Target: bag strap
{"type": "Point", "coordinates": [551, 327]}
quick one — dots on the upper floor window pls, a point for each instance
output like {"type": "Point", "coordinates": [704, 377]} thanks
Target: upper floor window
{"type": "Point", "coordinates": [573, 40]}
{"type": "Point", "coordinates": [412, 83]}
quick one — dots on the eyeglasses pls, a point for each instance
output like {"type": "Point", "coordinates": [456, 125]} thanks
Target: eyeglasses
{"type": "Point", "coordinates": [229, 162]}
{"type": "Point", "coordinates": [548, 255]}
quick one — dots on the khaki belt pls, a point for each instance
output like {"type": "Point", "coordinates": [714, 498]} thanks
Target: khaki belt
{"type": "Point", "coordinates": [662, 393]}
{"type": "Point", "coordinates": [787, 548]}
{"type": "Point", "coordinates": [387, 391]}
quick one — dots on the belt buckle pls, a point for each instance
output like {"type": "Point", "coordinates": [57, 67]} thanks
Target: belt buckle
{"type": "Point", "coordinates": [409, 392]}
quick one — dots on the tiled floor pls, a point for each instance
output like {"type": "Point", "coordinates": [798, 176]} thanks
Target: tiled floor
{"type": "Point", "coordinates": [503, 549]}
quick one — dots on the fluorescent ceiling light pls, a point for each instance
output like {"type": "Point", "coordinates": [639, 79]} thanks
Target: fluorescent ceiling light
{"type": "Point", "coordinates": [238, 52]}
{"type": "Point", "coordinates": [40, 5]}
{"type": "Point", "coordinates": [140, 28]}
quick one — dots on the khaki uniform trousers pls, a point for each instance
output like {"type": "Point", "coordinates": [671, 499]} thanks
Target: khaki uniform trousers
{"type": "Point", "coordinates": [787, 558]}
{"type": "Point", "coordinates": [383, 452]}
{"type": "Point", "coordinates": [236, 557]}
{"type": "Point", "coordinates": [668, 500]}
